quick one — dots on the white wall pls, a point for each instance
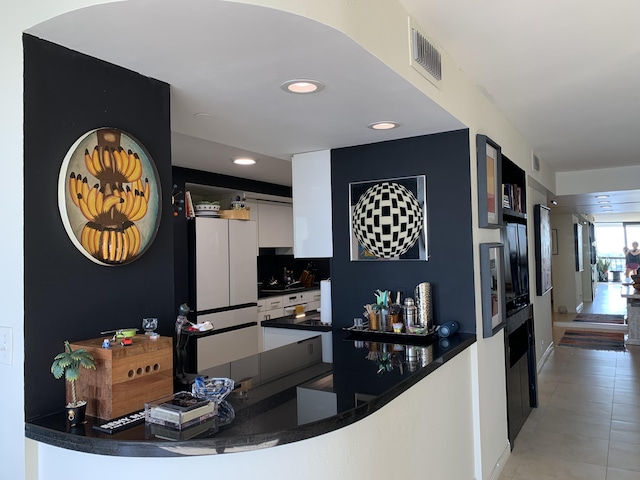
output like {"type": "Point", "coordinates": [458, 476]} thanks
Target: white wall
{"type": "Point", "coordinates": [429, 428]}
{"type": "Point", "coordinates": [567, 283]}
{"type": "Point", "coordinates": [543, 323]}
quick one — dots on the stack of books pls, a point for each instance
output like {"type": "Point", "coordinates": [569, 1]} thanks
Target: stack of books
{"type": "Point", "coordinates": [180, 411]}
{"type": "Point", "coordinates": [512, 197]}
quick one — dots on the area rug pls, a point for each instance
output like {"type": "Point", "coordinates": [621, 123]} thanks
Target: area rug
{"type": "Point", "coordinates": [593, 340]}
{"type": "Point", "coordinates": [599, 318]}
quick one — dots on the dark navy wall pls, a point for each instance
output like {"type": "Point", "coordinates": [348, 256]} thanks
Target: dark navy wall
{"type": "Point", "coordinates": [444, 159]}
{"type": "Point", "coordinates": [68, 296]}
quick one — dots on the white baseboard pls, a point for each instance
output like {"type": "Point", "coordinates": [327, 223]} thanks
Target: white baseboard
{"type": "Point", "coordinates": [497, 471]}
{"type": "Point", "coordinates": [545, 357]}
{"type": "Point", "coordinates": [608, 327]}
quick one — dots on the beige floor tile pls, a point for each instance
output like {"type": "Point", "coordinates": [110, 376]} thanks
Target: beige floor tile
{"type": "Point", "coordinates": [535, 467]}
{"type": "Point", "coordinates": [591, 369]}
{"type": "Point", "coordinates": [625, 456]}
{"type": "Point", "coordinates": [511, 466]}
{"type": "Point", "coordinates": [626, 432]}
{"type": "Point", "coordinates": [571, 448]}
{"type": "Point", "coordinates": [617, 474]}
{"type": "Point", "coordinates": [577, 393]}
{"type": "Point", "coordinates": [557, 420]}
{"type": "Point", "coordinates": [625, 413]}
{"type": "Point", "coordinates": [589, 409]}
{"type": "Point", "coordinates": [605, 381]}
{"type": "Point", "coordinates": [627, 398]}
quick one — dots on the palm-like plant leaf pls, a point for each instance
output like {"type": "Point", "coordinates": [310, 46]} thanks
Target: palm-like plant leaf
{"type": "Point", "coordinates": [68, 363]}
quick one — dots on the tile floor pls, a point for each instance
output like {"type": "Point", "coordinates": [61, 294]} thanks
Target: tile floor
{"type": "Point", "coordinates": [587, 425]}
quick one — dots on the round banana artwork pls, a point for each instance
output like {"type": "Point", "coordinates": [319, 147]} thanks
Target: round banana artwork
{"type": "Point", "coordinates": [109, 196]}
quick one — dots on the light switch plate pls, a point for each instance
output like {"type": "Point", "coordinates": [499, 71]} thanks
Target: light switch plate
{"type": "Point", "coordinates": [6, 345]}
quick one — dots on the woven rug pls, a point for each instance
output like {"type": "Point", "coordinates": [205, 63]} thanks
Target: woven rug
{"type": "Point", "coordinates": [593, 340]}
{"type": "Point", "coordinates": [599, 318]}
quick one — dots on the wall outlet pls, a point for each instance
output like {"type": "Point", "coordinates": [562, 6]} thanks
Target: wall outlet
{"type": "Point", "coordinates": [6, 345]}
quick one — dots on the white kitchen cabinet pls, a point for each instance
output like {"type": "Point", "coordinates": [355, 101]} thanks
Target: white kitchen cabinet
{"type": "Point", "coordinates": [275, 224]}
{"type": "Point", "coordinates": [312, 219]}
{"type": "Point", "coordinates": [270, 308]}
{"type": "Point", "coordinates": [219, 348]}
{"type": "Point", "coordinates": [225, 263]}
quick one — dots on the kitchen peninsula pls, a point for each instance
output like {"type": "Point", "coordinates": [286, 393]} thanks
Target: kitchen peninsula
{"type": "Point", "coordinates": [281, 400]}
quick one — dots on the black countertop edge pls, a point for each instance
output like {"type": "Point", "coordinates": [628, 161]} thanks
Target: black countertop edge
{"type": "Point", "coordinates": [262, 294]}
{"type": "Point", "coordinates": [226, 309]}
{"type": "Point", "coordinates": [287, 322]}
{"type": "Point", "coordinates": [218, 445]}
{"type": "Point", "coordinates": [215, 331]}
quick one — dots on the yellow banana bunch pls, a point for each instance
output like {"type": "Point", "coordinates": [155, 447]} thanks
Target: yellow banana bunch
{"type": "Point", "coordinates": [104, 163]}
{"type": "Point", "coordinates": [134, 202]}
{"type": "Point", "coordinates": [111, 245]}
{"type": "Point", "coordinates": [91, 201]}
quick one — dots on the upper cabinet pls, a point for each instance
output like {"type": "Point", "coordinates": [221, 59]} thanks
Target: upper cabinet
{"type": "Point", "coordinates": [312, 219]}
{"type": "Point", "coordinates": [275, 224]}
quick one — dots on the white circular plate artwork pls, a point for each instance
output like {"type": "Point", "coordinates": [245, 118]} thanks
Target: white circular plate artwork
{"type": "Point", "coordinates": [109, 196]}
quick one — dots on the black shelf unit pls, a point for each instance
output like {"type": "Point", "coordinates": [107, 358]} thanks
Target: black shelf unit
{"type": "Point", "coordinates": [520, 356]}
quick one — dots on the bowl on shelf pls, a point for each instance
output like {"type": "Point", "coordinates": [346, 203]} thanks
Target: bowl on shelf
{"type": "Point", "coordinates": [416, 329]}
{"type": "Point", "coordinates": [206, 207]}
{"type": "Point", "coordinates": [215, 389]}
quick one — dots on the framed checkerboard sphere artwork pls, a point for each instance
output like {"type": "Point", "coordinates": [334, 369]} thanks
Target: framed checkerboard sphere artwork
{"type": "Point", "coordinates": [389, 219]}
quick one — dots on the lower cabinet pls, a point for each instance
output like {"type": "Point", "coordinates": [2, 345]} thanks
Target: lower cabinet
{"type": "Point", "coordinates": [226, 347]}
{"type": "Point", "coordinates": [278, 337]}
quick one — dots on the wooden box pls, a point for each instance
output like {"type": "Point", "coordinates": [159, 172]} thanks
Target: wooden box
{"type": "Point", "coordinates": [125, 377]}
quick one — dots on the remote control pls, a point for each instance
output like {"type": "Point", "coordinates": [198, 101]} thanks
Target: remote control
{"type": "Point", "coordinates": [121, 423]}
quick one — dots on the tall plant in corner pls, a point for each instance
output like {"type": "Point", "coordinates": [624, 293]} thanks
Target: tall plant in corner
{"type": "Point", "coordinates": [68, 363]}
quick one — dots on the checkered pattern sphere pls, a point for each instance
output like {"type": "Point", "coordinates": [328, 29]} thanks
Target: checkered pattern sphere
{"type": "Point", "coordinates": [387, 220]}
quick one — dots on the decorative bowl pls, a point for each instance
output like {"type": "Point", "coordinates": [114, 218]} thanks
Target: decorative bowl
{"type": "Point", "coordinates": [215, 389]}
{"type": "Point", "coordinates": [416, 329]}
{"type": "Point", "coordinates": [206, 207]}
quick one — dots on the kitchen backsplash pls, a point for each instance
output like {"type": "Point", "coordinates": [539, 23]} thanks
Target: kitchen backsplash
{"type": "Point", "coordinates": [272, 266]}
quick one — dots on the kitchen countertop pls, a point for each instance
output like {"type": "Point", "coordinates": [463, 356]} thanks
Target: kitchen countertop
{"type": "Point", "coordinates": [311, 321]}
{"type": "Point", "coordinates": [267, 294]}
{"type": "Point", "coordinates": [267, 415]}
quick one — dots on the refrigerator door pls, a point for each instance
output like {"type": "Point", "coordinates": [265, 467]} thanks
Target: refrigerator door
{"type": "Point", "coordinates": [212, 263]}
{"type": "Point", "coordinates": [243, 264]}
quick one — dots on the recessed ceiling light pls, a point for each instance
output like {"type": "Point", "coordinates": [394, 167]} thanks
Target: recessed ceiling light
{"type": "Point", "coordinates": [605, 206]}
{"type": "Point", "coordinates": [202, 115]}
{"type": "Point", "coordinates": [244, 161]}
{"type": "Point", "coordinates": [386, 125]}
{"type": "Point", "coordinates": [604, 201]}
{"type": "Point", "coordinates": [302, 85]}
{"type": "Point", "coordinates": [602, 196]}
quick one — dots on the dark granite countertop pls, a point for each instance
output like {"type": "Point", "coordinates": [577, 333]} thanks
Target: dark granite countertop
{"type": "Point", "coordinates": [311, 321]}
{"type": "Point", "coordinates": [368, 372]}
{"type": "Point", "coordinates": [264, 292]}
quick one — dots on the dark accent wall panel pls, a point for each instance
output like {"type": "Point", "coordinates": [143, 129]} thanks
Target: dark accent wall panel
{"type": "Point", "coordinates": [444, 159]}
{"type": "Point", "coordinates": [66, 295]}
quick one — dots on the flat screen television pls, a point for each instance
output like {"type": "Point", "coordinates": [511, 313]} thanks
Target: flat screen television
{"type": "Point", "coordinates": [516, 267]}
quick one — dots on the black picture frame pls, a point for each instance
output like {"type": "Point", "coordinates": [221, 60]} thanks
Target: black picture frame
{"type": "Point", "coordinates": [542, 234]}
{"type": "Point", "coordinates": [577, 233]}
{"type": "Point", "coordinates": [489, 161]}
{"type": "Point", "coordinates": [492, 288]}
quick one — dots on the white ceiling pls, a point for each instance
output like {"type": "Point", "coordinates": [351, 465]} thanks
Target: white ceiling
{"type": "Point", "coordinates": [564, 73]}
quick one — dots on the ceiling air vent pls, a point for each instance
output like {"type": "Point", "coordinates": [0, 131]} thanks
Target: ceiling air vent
{"type": "Point", "coordinates": [535, 163]}
{"type": "Point", "coordinates": [425, 57]}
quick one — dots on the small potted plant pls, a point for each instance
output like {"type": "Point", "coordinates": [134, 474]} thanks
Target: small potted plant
{"type": "Point", "coordinates": [68, 363]}
{"type": "Point", "coordinates": [603, 266]}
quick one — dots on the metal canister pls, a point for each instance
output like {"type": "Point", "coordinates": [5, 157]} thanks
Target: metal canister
{"type": "Point", "coordinates": [409, 312]}
{"type": "Point", "coordinates": [424, 306]}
